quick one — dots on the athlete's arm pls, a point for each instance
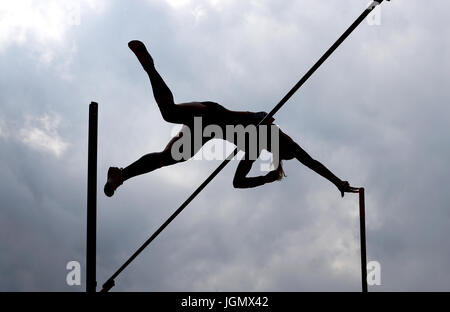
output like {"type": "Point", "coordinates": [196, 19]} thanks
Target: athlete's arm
{"type": "Point", "coordinates": [242, 181]}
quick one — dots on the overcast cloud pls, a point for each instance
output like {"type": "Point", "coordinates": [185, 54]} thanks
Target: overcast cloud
{"type": "Point", "coordinates": [376, 113]}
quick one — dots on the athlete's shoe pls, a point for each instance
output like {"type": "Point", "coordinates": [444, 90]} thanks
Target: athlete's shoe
{"type": "Point", "coordinates": [115, 178]}
{"type": "Point", "coordinates": [141, 53]}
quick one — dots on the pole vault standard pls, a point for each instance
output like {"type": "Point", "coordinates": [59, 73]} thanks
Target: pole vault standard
{"type": "Point", "coordinates": [362, 231]}
{"type": "Point", "coordinates": [91, 228]}
{"type": "Point", "coordinates": [110, 282]}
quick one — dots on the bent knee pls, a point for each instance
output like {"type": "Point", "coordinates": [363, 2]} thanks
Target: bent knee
{"type": "Point", "coordinates": [178, 150]}
{"type": "Point", "coordinates": [168, 157]}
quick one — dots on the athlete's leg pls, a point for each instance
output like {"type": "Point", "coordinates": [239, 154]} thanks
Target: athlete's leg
{"type": "Point", "coordinates": [150, 162]}
{"type": "Point", "coordinates": [147, 163]}
{"type": "Point", "coordinates": [170, 111]}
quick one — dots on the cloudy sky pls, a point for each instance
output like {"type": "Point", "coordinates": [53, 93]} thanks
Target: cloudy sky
{"type": "Point", "coordinates": [376, 114]}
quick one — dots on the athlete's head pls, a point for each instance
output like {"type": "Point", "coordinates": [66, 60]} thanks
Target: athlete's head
{"type": "Point", "coordinates": [280, 170]}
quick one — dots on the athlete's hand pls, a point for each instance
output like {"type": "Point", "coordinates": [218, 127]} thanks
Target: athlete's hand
{"type": "Point", "coordinates": [346, 188]}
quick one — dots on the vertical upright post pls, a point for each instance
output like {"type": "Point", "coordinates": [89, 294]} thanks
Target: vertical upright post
{"type": "Point", "coordinates": [91, 229]}
{"type": "Point", "coordinates": [362, 226]}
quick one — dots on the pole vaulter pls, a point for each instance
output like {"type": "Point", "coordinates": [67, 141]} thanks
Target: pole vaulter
{"type": "Point", "coordinates": [265, 119]}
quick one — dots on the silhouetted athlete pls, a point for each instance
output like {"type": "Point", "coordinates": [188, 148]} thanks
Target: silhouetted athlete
{"type": "Point", "coordinates": [211, 113]}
